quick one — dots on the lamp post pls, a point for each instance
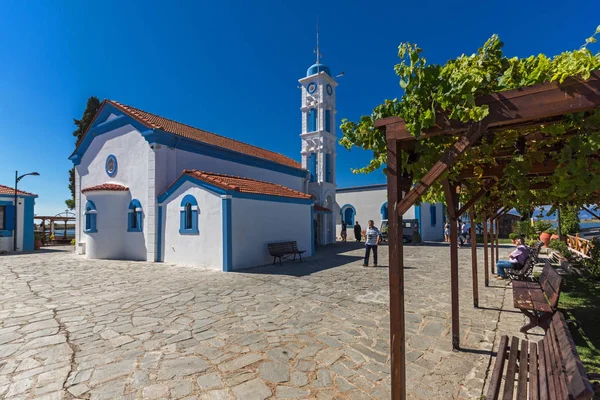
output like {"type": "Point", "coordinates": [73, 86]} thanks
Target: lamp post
{"type": "Point", "coordinates": [17, 179]}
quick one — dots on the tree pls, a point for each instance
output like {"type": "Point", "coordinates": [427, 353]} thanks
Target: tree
{"type": "Point", "coordinates": [91, 108]}
{"type": "Point", "coordinates": [569, 219]}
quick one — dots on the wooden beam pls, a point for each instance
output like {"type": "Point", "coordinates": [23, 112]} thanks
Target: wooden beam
{"type": "Point", "coordinates": [492, 252]}
{"type": "Point", "coordinates": [452, 203]}
{"type": "Point", "coordinates": [497, 242]}
{"type": "Point", "coordinates": [590, 211]}
{"type": "Point", "coordinates": [448, 159]}
{"type": "Point", "coordinates": [513, 108]}
{"type": "Point", "coordinates": [397, 185]}
{"type": "Point", "coordinates": [485, 249]}
{"type": "Point", "coordinates": [474, 257]}
{"type": "Point", "coordinates": [476, 197]}
{"type": "Point", "coordinates": [547, 167]}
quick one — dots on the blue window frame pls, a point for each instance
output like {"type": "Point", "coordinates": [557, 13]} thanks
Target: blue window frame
{"type": "Point", "coordinates": [7, 218]}
{"type": "Point", "coordinates": [188, 216]}
{"type": "Point", "coordinates": [384, 210]}
{"type": "Point", "coordinates": [312, 120]}
{"type": "Point", "coordinates": [312, 167]}
{"type": "Point", "coordinates": [135, 221]}
{"type": "Point", "coordinates": [433, 214]}
{"type": "Point", "coordinates": [328, 120]}
{"type": "Point", "coordinates": [348, 213]}
{"type": "Point", "coordinates": [90, 217]}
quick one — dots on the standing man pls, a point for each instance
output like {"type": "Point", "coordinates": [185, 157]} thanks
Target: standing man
{"type": "Point", "coordinates": [461, 239]}
{"type": "Point", "coordinates": [357, 231]}
{"type": "Point", "coordinates": [372, 241]}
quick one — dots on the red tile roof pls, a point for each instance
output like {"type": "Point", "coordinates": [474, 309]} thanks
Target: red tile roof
{"type": "Point", "coordinates": [245, 185]}
{"type": "Point", "coordinates": [111, 187]}
{"type": "Point", "coordinates": [321, 208]}
{"type": "Point", "coordinates": [11, 191]}
{"type": "Point", "coordinates": [156, 122]}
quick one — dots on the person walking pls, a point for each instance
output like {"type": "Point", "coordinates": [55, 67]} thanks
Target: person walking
{"type": "Point", "coordinates": [372, 240]}
{"type": "Point", "coordinates": [357, 231]}
{"type": "Point", "coordinates": [447, 233]}
{"type": "Point", "coordinates": [461, 239]}
{"type": "Point", "coordinates": [344, 233]}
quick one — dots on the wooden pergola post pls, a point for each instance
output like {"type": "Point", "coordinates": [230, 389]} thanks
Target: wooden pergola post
{"type": "Point", "coordinates": [485, 250]}
{"type": "Point", "coordinates": [497, 242]}
{"type": "Point", "coordinates": [452, 202]}
{"type": "Point", "coordinates": [474, 257]}
{"type": "Point", "coordinates": [492, 252]}
{"type": "Point", "coordinates": [398, 186]}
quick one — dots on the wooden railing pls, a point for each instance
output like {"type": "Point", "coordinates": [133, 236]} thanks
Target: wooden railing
{"type": "Point", "coordinates": [579, 246]}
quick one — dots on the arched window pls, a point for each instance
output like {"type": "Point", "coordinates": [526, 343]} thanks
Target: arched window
{"type": "Point", "coordinates": [134, 217]}
{"type": "Point", "coordinates": [90, 217]}
{"type": "Point", "coordinates": [188, 216]}
{"type": "Point", "coordinates": [312, 120]}
{"type": "Point", "coordinates": [348, 213]}
{"type": "Point", "coordinates": [384, 211]}
{"type": "Point", "coordinates": [328, 120]}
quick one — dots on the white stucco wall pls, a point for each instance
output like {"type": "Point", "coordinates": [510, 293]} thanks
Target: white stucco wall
{"type": "Point", "coordinates": [368, 206]}
{"type": "Point", "coordinates": [204, 249]}
{"type": "Point", "coordinates": [6, 243]}
{"type": "Point", "coordinates": [171, 162]}
{"type": "Point", "coordinates": [257, 223]}
{"type": "Point", "coordinates": [131, 151]}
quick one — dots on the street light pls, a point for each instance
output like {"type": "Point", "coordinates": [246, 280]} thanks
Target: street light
{"type": "Point", "coordinates": [17, 179]}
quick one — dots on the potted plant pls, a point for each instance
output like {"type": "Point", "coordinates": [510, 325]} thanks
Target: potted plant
{"type": "Point", "coordinates": [542, 227]}
{"type": "Point", "coordinates": [37, 240]}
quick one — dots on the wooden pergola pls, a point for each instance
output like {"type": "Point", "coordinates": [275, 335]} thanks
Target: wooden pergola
{"type": "Point", "coordinates": [520, 109]}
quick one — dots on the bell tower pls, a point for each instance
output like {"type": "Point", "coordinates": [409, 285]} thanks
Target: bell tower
{"type": "Point", "coordinates": [319, 143]}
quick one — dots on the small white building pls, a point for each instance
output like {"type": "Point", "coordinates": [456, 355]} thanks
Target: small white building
{"type": "Point", "coordinates": [363, 203]}
{"type": "Point", "coordinates": [23, 213]}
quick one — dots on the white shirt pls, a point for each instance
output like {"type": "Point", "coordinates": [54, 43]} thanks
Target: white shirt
{"type": "Point", "coordinates": [372, 234]}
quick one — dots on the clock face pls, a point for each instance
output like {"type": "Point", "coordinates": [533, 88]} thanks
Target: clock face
{"type": "Point", "coordinates": [312, 87]}
{"type": "Point", "coordinates": [111, 165]}
{"type": "Point", "coordinates": [329, 90]}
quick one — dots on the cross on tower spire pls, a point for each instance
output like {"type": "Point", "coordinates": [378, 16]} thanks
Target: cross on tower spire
{"type": "Point", "coordinates": [319, 55]}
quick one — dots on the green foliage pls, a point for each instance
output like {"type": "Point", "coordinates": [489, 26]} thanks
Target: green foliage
{"type": "Point", "coordinates": [91, 108]}
{"type": "Point", "coordinates": [559, 246]}
{"type": "Point", "coordinates": [38, 235]}
{"type": "Point", "coordinates": [569, 219]}
{"type": "Point", "coordinates": [513, 236]}
{"type": "Point", "coordinates": [540, 226]}
{"type": "Point", "coordinates": [73, 242]}
{"type": "Point", "coordinates": [523, 228]}
{"type": "Point", "coordinates": [593, 263]}
{"type": "Point", "coordinates": [435, 94]}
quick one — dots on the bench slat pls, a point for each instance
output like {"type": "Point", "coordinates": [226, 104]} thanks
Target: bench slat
{"type": "Point", "coordinates": [579, 386]}
{"type": "Point", "coordinates": [494, 387]}
{"type": "Point", "coordinates": [549, 370]}
{"type": "Point", "coordinates": [552, 285]}
{"type": "Point", "coordinates": [523, 371]}
{"type": "Point", "coordinates": [557, 365]}
{"type": "Point", "coordinates": [542, 371]}
{"type": "Point", "coordinates": [511, 369]}
{"type": "Point", "coordinates": [533, 372]}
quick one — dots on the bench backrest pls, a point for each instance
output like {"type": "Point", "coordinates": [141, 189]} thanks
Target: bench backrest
{"type": "Point", "coordinates": [560, 365]}
{"type": "Point", "coordinates": [550, 281]}
{"type": "Point", "coordinates": [282, 246]}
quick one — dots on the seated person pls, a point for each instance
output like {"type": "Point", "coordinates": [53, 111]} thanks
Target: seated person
{"type": "Point", "coordinates": [516, 259]}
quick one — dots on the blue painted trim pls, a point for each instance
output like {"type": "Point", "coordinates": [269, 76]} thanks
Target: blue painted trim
{"type": "Point", "coordinates": [172, 140]}
{"type": "Point", "coordinates": [11, 197]}
{"type": "Point", "coordinates": [384, 210]}
{"type": "Point", "coordinates": [9, 218]}
{"type": "Point", "coordinates": [328, 120]}
{"type": "Point", "coordinates": [312, 167]}
{"type": "Point", "coordinates": [418, 218]}
{"type": "Point", "coordinates": [7, 203]}
{"type": "Point", "coordinates": [159, 234]}
{"type": "Point", "coordinates": [361, 188]}
{"type": "Point", "coordinates": [343, 210]}
{"type": "Point", "coordinates": [189, 231]}
{"type": "Point", "coordinates": [432, 214]}
{"type": "Point", "coordinates": [27, 224]}
{"type": "Point", "coordinates": [192, 230]}
{"type": "Point", "coordinates": [329, 89]}
{"type": "Point", "coordinates": [314, 87]}
{"type": "Point", "coordinates": [187, 178]}
{"type": "Point", "coordinates": [328, 172]}
{"type": "Point", "coordinates": [111, 157]}
{"type": "Point", "coordinates": [266, 197]}
{"type": "Point", "coordinates": [6, 233]}
{"type": "Point", "coordinates": [312, 230]}
{"type": "Point", "coordinates": [312, 120]}
{"type": "Point", "coordinates": [188, 198]}
{"type": "Point", "coordinates": [90, 218]}
{"type": "Point", "coordinates": [227, 235]}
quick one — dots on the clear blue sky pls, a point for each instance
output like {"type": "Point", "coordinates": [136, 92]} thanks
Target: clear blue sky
{"type": "Point", "coordinates": [231, 67]}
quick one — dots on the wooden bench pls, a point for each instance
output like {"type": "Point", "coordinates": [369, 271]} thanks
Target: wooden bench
{"type": "Point", "coordinates": [548, 369]}
{"type": "Point", "coordinates": [538, 300]}
{"type": "Point", "coordinates": [527, 271]}
{"type": "Point", "coordinates": [284, 250]}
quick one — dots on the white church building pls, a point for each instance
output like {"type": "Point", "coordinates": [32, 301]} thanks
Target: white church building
{"type": "Point", "coordinates": [150, 188]}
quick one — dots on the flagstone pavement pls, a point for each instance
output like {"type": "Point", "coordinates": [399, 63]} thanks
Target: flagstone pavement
{"type": "Point", "coordinates": [98, 329]}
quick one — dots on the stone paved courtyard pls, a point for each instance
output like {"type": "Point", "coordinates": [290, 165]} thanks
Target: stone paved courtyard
{"type": "Point", "coordinates": [91, 329]}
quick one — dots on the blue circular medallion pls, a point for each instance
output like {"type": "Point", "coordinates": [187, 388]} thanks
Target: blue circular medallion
{"type": "Point", "coordinates": [312, 87]}
{"type": "Point", "coordinates": [111, 165]}
{"type": "Point", "coordinates": [329, 90]}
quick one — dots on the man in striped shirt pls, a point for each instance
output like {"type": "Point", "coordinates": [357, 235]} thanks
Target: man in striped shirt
{"type": "Point", "coordinates": [373, 237]}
